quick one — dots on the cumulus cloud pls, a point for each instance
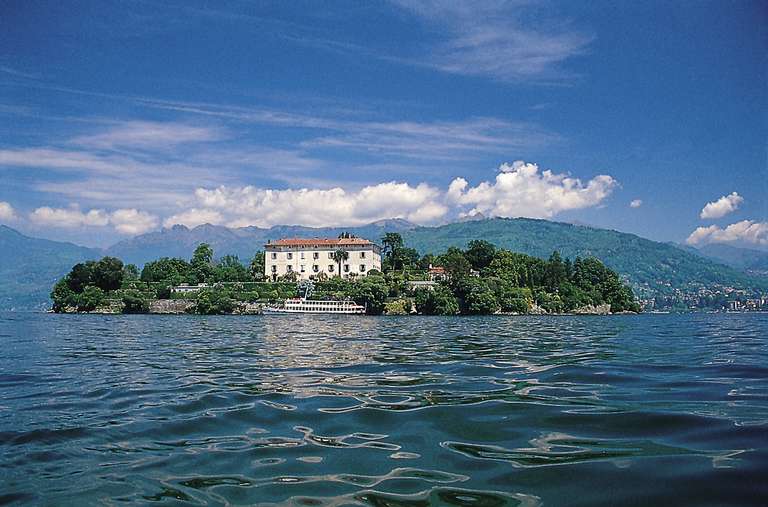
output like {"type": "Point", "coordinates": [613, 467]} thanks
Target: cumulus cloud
{"type": "Point", "coordinates": [746, 231]}
{"type": "Point", "coordinates": [521, 190]}
{"type": "Point", "coordinates": [240, 206]}
{"type": "Point", "coordinates": [125, 221]}
{"type": "Point", "coordinates": [132, 221]}
{"type": "Point", "coordinates": [7, 213]}
{"type": "Point", "coordinates": [636, 203]}
{"type": "Point", "coordinates": [721, 207]}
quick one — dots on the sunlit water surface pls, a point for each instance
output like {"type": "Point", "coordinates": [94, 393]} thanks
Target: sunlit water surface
{"type": "Point", "coordinates": [340, 410]}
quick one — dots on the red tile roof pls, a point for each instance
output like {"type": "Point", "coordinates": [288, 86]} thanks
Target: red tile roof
{"type": "Point", "coordinates": [299, 242]}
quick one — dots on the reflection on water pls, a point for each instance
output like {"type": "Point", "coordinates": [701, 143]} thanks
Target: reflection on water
{"type": "Point", "coordinates": [346, 410]}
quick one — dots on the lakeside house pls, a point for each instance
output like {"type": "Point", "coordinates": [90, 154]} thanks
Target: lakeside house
{"type": "Point", "coordinates": [314, 257]}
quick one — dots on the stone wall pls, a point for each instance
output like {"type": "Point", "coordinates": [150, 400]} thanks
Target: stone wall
{"type": "Point", "coordinates": [171, 305]}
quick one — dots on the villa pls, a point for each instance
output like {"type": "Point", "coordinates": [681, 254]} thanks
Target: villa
{"type": "Point", "coordinates": [314, 257]}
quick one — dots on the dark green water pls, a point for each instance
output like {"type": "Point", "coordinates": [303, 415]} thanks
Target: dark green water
{"type": "Point", "coordinates": [294, 410]}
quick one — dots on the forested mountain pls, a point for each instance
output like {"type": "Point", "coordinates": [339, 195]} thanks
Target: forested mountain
{"type": "Point", "coordinates": [30, 266]}
{"type": "Point", "coordinates": [651, 267]}
{"type": "Point", "coordinates": [744, 259]}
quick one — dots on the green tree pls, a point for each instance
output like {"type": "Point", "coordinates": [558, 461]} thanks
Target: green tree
{"type": "Point", "coordinates": [80, 276]}
{"type": "Point", "coordinates": [480, 253]}
{"type": "Point", "coordinates": [90, 299]}
{"type": "Point", "coordinates": [134, 301]}
{"type": "Point", "coordinates": [439, 301]}
{"type": "Point", "coordinates": [340, 256]}
{"type": "Point", "coordinates": [202, 263]}
{"type": "Point", "coordinates": [171, 270]}
{"type": "Point", "coordinates": [107, 274]}
{"type": "Point", "coordinates": [555, 272]}
{"type": "Point", "coordinates": [256, 268]}
{"type": "Point", "coordinates": [455, 263]}
{"type": "Point", "coordinates": [130, 272]}
{"type": "Point", "coordinates": [230, 269]}
{"type": "Point", "coordinates": [63, 296]}
{"type": "Point", "coordinates": [476, 297]}
{"type": "Point", "coordinates": [214, 301]}
{"type": "Point", "coordinates": [371, 292]}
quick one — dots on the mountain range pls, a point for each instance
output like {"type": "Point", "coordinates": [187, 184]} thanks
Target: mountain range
{"type": "Point", "coordinates": [30, 266]}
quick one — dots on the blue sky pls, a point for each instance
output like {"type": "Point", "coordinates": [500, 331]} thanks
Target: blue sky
{"type": "Point", "coordinates": [118, 118]}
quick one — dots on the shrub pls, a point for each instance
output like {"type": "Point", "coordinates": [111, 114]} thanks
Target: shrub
{"type": "Point", "coordinates": [90, 299]}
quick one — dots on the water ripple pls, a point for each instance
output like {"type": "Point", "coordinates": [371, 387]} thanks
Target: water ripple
{"type": "Point", "coordinates": [315, 410]}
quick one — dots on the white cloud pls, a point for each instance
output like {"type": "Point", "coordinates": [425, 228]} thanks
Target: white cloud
{"type": "Point", "coordinates": [491, 39]}
{"type": "Point", "coordinates": [240, 206]}
{"type": "Point", "coordinates": [721, 207]}
{"type": "Point", "coordinates": [746, 231]}
{"type": "Point", "coordinates": [125, 221]}
{"type": "Point", "coordinates": [636, 203]}
{"type": "Point", "coordinates": [133, 221]}
{"type": "Point", "coordinates": [7, 213]}
{"type": "Point", "coordinates": [521, 190]}
{"type": "Point", "coordinates": [148, 135]}
{"type": "Point", "coordinates": [69, 217]}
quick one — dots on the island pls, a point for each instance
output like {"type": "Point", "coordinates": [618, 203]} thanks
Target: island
{"type": "Point", "coordinates": [392, 279]}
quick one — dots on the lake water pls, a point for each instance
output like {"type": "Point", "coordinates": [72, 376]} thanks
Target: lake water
{"type": "Point", "coordinates": [342, 410]}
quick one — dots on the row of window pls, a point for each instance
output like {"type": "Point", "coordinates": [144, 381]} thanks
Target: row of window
{"type": "Point", "coordinates": [315, 255]}
{"type": "Point", "coordinates": [316, 268]}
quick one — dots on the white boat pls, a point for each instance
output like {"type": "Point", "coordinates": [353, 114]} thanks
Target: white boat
{"type": "Point", "coordinates": [301, 305]}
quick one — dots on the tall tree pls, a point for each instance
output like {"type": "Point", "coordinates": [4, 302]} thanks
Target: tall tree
{"type": "Point", "coordinates": [256, 268]}
{"type": "Point", "coordinates": [480, 253]}
{"type": "Point", "coordinates": [202, 263]}
{"type": "Point", "coordinates": [340, 256]}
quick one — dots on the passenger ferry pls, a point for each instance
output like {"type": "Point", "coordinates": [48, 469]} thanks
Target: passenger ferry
{"type": "Point", "coordinates": [301, 305]}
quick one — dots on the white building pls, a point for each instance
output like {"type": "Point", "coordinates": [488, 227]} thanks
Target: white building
{"type": "Point", "coordinates": [311, 257]}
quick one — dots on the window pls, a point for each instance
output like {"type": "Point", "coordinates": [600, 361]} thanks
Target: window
{"type": "Point", "coordinates": [290, 256]}
{"type": "Point", "coordinates": [288, 269]}
{"type": "Point", "coordinates": [302, 268]}
{"type": "Point", "coordinates": [330, 268]}
{"type": "Point", "coordinates": [302, 255]}
{"type": "Point", "coordinates": [315, 255]}
{"type": "Point", "coordinates": [274, 255]}
{"type": "Point", "coordinates": [346, 268]}
{"type": "Point", "coordinates": [330, 255]}
{"type": "Point", "coordinates": [362, 268]}
{"type": "Point", "coordinates": [315, 268]}
{"type": "Point", "coordinates": [362, 255]}
{"type": "Point", "coordinates": [274, 269]}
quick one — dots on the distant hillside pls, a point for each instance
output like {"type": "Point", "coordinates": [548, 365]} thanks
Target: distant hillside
{"type": "Point", "coordinates": [651, 267]}
{"type": "Point", "coordinates": [29, 267]}
{"type": "Point", "coordinates": [740, 258]}
{"type": "Point", "coordinates": [180, 241]}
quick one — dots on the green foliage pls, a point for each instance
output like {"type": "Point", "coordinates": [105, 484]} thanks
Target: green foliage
{"type": "Point", "coordinates": [256, 267]}
{"type": "Point", "coordinates": [173, 271]}
{"type": "Point", "coordinates": [371, 292]}
{"type": "Point", "coordinates": [455, 263]}
{"type": "Point", "coordinates": [63, 296]}
{"type": "Point", "coordinates": [214, 301]}
{"type": "Point", "coordinates": [439, 301]}
{"type": "Point", "coordinates": [512, 299]}
{"type": "Point", "coordinates": [230, 269]}
{"type": "Point", "coordinates": [476, 296]}
{"type": "Point", "coordinates": [202, 263]}
{"type": "Point", "coordinates": [339, 256]}
{"type": "Point", "coordinates": [396, 255]}
{"type": "Point", "coordinates": [107, 274]}
{"type": "Point", "coordinates": [480, 253]}
{"type": "Point", "coordinates": [134, 301]}
{"type": "Point", "coordinates": [90, 299]}
{"type": "Point", "coordinates": [130, 272]}
{"type": "Point", "coordinates": [397, 307]}
{"type": "Point", "coordinates": [80, 276]}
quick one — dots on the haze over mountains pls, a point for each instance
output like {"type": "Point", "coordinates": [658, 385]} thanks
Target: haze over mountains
{"type": "Point", "coordinates": [30, 266]}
